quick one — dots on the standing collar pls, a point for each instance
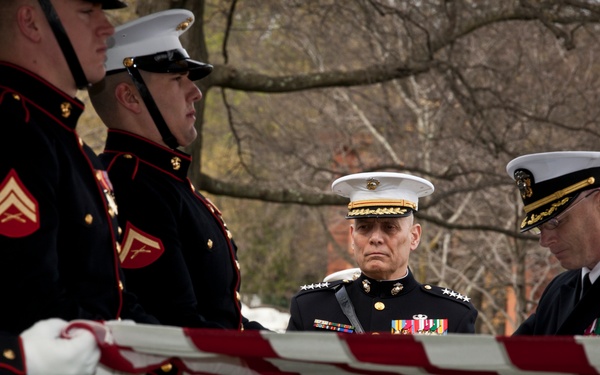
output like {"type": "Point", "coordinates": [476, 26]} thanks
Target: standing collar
{"type": "Point", "coordinates": [387, 288]}
{"type": "Point", "coordinates": [170, 161]}
{"type": "Point", "coordinates": [37, 91]}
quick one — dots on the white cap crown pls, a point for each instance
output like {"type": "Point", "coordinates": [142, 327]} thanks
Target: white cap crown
{"type": "Point", "coordinates": [375, 194]}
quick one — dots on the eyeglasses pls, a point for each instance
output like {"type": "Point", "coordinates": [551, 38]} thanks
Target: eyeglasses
{"type": "Point", "coordinates": [555, 221]}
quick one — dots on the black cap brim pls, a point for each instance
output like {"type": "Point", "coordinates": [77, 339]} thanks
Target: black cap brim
{"type": "Point", "coordinates": [111, 4]}
{"type": "Point", "coordinates": [198, 70]}
{"type": "Point", "coordinates": [543, 214]}
{"type": "Point", "coordinates": [173, 61]}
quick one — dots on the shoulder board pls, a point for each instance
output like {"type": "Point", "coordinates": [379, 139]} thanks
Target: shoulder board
{"type": "Point", "coordinates": [446, 293]}
{"type": "Point", "coordinates": [322, 286]}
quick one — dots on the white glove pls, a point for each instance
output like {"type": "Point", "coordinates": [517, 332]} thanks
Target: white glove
{"type": "Point", "coordinates": [46, 353]}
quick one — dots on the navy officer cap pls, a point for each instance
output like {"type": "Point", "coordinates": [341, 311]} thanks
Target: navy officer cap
{"type": "Point", "coordinates": [151, 43]}
{"type": "Point", "coordinates": [550, 181]}
{"type": "Point", "coordinates": [382, 194]}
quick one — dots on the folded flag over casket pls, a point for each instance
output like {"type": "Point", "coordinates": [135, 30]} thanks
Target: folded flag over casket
{"type": "Point", "coordinates": [129, 348]}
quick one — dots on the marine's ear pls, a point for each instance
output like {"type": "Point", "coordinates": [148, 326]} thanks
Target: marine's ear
{"type": "Point", "coordinates": [415, 233]}
{"type": "Point", "coordinates": [28, 21]}
{"type": "Point", "coordinates": [127, 95]}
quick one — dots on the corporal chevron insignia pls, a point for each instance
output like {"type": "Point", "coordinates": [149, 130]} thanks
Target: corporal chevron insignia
{"type": "Point", "coordinates": [139, 249]}
{"type": "Point", "coordinates": [19, 210]}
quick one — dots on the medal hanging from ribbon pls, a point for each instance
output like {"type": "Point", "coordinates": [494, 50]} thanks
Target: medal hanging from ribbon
{"type": "Point", "coordinates": [107, 188]}
{"type": "Point", "coordinates": [420, 327]}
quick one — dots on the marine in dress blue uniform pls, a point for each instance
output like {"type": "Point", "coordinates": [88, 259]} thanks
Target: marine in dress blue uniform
{"type": "Point", "coordinates": [58, 230]}
{"type": "Point", "coordinates": [361, 303]}
{"type": "Point", "coordinates": [378, 303]}
{"type": "Point", "coordinates": [556, 189]}
{"type": "Point", "coordinates": [58, 225]}
{"type": "Point", "coordinates": [178, 255]}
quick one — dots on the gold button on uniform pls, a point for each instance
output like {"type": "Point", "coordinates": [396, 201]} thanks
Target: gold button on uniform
{"type": "Point", "coordinates": [176, 163]}
{"type": "Point", "coordinates": [379, 306]}
{"type": "Point", "coordinates": [16, 97]}
{"type": "Point", "coordinates": [89, 219]}
{"type": "Point", "coordinates": [427, 287]}
{"type": "Point", "coordinates": [9, 354]}
{"type": "Point", "coordinates": [209, 243]}
{"type": "Point", "coordinates": [127, 156]}
{"type": "Point", "coordinates": [166, 367]}
{"type": "Point", "coordinates": [121, 285]}
{"type": "Point", "coordinates": [118, 246]}
{"type": "Point", "coordinates": [65, 109]}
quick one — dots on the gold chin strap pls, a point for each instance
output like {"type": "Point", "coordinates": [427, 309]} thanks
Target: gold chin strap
{"type": "Point", "coordinates": [559, 194]}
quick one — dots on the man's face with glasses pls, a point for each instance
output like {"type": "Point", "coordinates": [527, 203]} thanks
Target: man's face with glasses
{"type": "Point", "coordinates": [573, 236]}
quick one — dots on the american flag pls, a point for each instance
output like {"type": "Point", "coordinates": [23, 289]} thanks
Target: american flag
{"type": "Point", "coordinates": [129, 348]}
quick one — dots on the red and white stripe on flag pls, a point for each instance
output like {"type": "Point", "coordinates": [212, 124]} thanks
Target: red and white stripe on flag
{"type": "Point", "coordinates": [129, 348]}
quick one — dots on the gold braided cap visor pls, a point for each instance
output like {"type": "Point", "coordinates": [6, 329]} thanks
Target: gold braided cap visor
{"type": "Point", "coordinates": [559, 194]}
{"type": "Point", "coordinates": [557, 201]}
{"type": "Point", "coordinates": [369, 207]}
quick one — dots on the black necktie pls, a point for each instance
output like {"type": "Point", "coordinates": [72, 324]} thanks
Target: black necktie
{"type": "Point", "coordinates": [587, 284]}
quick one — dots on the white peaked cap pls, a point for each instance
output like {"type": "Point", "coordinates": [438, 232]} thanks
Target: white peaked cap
{"type": "Point", "coordinates": [375, 194]}
{"type": "Point", "coordinates": [548, 165]}
{"type": "Point", "coordinates": [548, 182]}
{"type": "Point", "coordinates": [153, 35]}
